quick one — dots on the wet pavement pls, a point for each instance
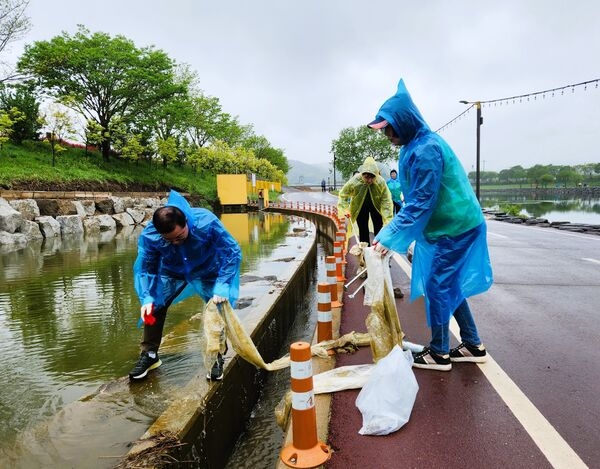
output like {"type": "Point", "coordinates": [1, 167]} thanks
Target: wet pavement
{"type": "Point", "coordinates": [458, 420]}
{"type": "Point", "coordinates": [532, 405]}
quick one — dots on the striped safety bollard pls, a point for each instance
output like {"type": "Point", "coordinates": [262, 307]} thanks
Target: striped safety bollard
{"type": "Point", "coordinates": [341, 237]}
{"type": "Point", "coordinates": [342, 230]}
{"type": "Point", "coordinates": [324, 318]}
{"type": "Point", "coordinates": [306, 451]}
{"type": "Point", "coordinates": [337, 253]}
{"type": "Point", "coordinates": [331, 279]}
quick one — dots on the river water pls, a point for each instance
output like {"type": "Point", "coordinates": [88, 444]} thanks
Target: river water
{"type": "Point", "coordinates": [68, 338]}
{"type": "Point", "coordinates": [554, 209]}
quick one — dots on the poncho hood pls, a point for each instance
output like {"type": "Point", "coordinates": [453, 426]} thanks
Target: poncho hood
{"type": "Point", "coordinates": [402, 114]}
{"type": "Point", "coordinates": [369, 166]}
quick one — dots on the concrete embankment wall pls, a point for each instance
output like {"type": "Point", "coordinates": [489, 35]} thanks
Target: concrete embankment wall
{"type": "Point", "coordinates": [205, 425]}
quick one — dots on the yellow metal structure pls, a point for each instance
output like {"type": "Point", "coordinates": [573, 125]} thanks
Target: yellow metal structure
{"type": "Point", "coordinates": [232, 189]}
{"type": "Point", "coordinates": [236, 189]}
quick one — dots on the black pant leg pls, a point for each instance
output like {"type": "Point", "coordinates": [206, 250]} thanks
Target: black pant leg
{"type": "Point", "coordinates": [153, 334]}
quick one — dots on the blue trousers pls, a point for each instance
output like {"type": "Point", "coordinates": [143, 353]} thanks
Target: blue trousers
{"type": "Point", "coordinates": [440, 335]}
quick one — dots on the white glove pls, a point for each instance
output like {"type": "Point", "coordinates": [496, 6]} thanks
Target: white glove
{"type": "Point", "coordinates": [146, 309]}
{"type": "Point", "coordinates": [218, 299]}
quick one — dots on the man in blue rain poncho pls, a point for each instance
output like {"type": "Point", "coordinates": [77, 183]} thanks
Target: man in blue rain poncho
{"type": "Point", "coordinates": [440, 211]}
{"type": "Point", "coordinates": [183, 251]}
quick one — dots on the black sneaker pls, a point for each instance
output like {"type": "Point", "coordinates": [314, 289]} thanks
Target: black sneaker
{"type": "Point", "coordinates": [216, 372]}
{"type": "Point", "coordinates": [468, 353]}
{"type": "Point", "coordinates": [144, 365]}
{"type": "Point", "coordinates": [431, 361]}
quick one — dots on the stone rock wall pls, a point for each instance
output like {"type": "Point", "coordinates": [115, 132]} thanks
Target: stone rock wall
{"type": "Point", "coordinates": [26, 220]}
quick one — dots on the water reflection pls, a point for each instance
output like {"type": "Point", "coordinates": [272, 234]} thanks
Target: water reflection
{"type": "Point", "coordinates": [68, 315]}
{"type": "Point", "coordinates": [574, 210]}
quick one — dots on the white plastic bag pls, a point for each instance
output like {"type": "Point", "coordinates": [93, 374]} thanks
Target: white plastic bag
{"type": "Point", "coordinates": [387, 398]}
{"type": "Point", "coordinates": [342, 378]}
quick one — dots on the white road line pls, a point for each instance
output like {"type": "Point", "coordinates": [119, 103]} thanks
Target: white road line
{"type": "Point", "coordinates": [595, 261]}
{"type": "Point", "coordinates": [554, 231]}
{"type": "Point", "coordinates": [574, 235]}
{"type": "Point", "coordinates": [497, 235]}
{"type": "Point", "coordinates": [551, 444]}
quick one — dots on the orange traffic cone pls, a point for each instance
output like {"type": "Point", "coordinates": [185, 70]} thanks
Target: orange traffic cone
{"type": "Point", "coordinates": [306, 451]}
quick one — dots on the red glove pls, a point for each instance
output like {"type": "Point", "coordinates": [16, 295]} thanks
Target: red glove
{"type": "Point", "coordinates": [148, 314]}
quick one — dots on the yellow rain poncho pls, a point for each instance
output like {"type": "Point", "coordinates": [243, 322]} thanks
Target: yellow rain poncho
{"type": "Point", "coordinates": [353, 194]}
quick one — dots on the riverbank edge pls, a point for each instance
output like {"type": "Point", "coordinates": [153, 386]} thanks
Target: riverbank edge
{"type": "Point", "coordinates": [204, 427]}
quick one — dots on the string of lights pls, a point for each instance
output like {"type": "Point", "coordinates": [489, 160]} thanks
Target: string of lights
{"type": "Point", "coordinates": [527, 97]}
{"type": "Point", "coordinates": [459, 117]}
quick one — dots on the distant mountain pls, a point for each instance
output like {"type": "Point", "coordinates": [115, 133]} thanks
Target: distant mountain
{"type": "Point", "coordinates": [310, 174]}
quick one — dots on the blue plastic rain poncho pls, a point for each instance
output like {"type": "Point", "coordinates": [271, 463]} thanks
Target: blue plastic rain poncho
{"type": "Point", "coordinates": [209, 259]}
{"type": "Point", "coordinates": [395, 189]}
{"type": "Point", "coordinates": [451, 260]}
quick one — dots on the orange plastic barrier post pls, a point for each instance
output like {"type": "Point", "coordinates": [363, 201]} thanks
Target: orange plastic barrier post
{"type": "Point", "coordinates": [306, 451]}
{"type": "Point", "coordinates": [332, 280]}
{"type": "Point", "coordinates": [337, 253]}
{"type": "Point", "coordinates": [324, 318]}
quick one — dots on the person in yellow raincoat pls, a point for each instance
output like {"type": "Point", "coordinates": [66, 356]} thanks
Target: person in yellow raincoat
{"type": "Point", "coordinates": [366, 195]}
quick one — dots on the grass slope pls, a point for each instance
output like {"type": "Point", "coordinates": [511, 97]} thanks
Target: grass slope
{"type": "Point", "coordinates": [29, 167]}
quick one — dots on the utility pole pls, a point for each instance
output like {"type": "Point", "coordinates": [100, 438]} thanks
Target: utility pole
{"type": "Point", "coordinates": [477, 105]}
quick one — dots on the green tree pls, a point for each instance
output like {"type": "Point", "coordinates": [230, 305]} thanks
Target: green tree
{"type": "Point", "coordinates": [567, 175]}
{"type": "Point", "coordinates": [209, 123]}
{"type": "Point", "coordinates": [170, 117]}
{"type": "Point", "coordinates": [132, 150]}
{"type": "Point", "coordinates": [546, 179]}
{"type": "Point", "coordinates": [8, 121]}
{"type": "Point", "coordinates": [93, 134]}
{"type": "Point", "coordinates": [22, 97]}
{"type": "Point", "coordinates": [167, 150]}
{"type": "Point", "coordinates": [14, 24]}
{"type": "Point", "coordinates": [354, 144]}
{"type": "Point", "coordinates": [220, 158]}
{"type": "Point", "coordinates": [535, 173]}
{"type": "Point", "coordinates": [59, 127]}
{"type": "Point", "coordinates": [101, 77]}
{"type": "Point", "coordinates": [505, 176]}
{"type": "Point", "coordinates": [263, 149]}
{"type": "Point", "coordinates": [518, 174]}
{"type": "Point", "coordinates": [6, 124]}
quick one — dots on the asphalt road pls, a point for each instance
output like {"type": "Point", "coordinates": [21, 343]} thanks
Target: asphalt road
{"type": "Point", "coordinates": [541, 322]}
{"type": "Point", "coordinates": [535, 403]}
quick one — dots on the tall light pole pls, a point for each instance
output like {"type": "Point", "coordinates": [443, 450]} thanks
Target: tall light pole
{"type": "Point", "coordinates": [477, 105]}
{"type": "Point", "coordinates": [334, 185]}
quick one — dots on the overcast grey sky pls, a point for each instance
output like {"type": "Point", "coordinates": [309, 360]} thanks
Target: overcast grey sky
{"type": "Point", "coordinates": [300, 71]}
